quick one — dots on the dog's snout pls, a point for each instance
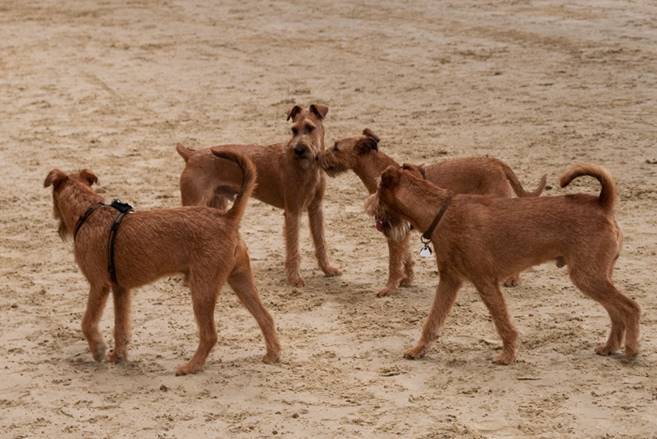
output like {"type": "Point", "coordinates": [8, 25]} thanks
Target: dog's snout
{"type": "Point", "coordinates": [300, 150]}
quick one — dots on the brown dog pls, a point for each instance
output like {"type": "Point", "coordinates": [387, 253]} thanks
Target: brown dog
{"type": "Point", "coordinates": [288, 178]}
{"type": "Point", "coordinates": [485, 239]}
{"type": "Point", "coordinates": [471, 175]}
{"type": "Point", "coordinates": [199, 241]}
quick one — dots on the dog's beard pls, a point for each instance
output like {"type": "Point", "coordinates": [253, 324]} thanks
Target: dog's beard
{"type": "Point", "coordinates": [399, 231]}
{"type": "Point", "coordinates": [305, 162]}
{"type": "Point", "coordinates": [62, 231]}
{"type": "Point", "coordinates": [391, 225]}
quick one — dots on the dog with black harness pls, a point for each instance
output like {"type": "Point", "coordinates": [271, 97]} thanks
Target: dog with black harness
{"type": "Point", "coordinates": [120, 249]}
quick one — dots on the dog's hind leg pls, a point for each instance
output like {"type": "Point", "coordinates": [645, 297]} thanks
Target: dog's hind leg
{"type": "Point", "coordinates": [492, 296]}
{"type": "Point", "coordinates": [222, 195]}
{"type": "Point", "coordinates": [122, 298]}
{"type": "Point", "coordinates": [193, 192]}
{"type": "Point", "coordinates": [95, 306]}
{"type": "Point", "coordinates": [219, 202]}
{"type": "Point", "coordinates": [205, 290]}
{"type": "Point", "coordinates": [623, 311]}
{"type": "Point", "coordinates": [242, 282]}
{"type": "Point", "coordinates": [442, 303]}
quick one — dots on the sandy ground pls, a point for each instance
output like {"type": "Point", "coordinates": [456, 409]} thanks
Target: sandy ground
{"type": "Point", "coordinates": [112, 87]}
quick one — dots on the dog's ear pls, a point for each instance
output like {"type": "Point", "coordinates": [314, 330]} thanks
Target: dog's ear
{"type": "Point", "coordinates": [390, 177]}
{"type": "Point", "coordinates": [319, 110]}
{"type": "Point", "coordinates": [369, 133]}
{"type": "Point", "coordinates": [293, 112]}
{"type": "Point", "coordinates": [367, 144]}
{"type": "Point", "coordinates": [88, 176]}
{"type": "Point", "coordinates": [55, 178]}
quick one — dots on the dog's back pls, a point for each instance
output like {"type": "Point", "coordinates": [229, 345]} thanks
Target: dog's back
{"type": "Point", "coordinates": [478, 175]}
{"type": "Point", "coordinates": [208, 181]}
{"type": "Point", "coordinates": [159, 242]}
{"type": "Point", "coordinates": [517, 233]}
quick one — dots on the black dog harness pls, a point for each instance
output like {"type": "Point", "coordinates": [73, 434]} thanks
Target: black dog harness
{"type": "Point", "coordinates": [124, 209]}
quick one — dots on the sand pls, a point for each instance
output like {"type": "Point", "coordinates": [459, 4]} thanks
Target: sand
{"type": "Point", "coordinates": [113, 86]}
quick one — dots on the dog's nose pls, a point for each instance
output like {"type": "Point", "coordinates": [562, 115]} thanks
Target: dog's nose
{"type": "Point", "coordinates": [300, 150]}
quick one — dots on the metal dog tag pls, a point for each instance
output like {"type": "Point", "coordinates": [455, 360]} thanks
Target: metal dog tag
{"type": "Point", "coordinates": [425, 251]}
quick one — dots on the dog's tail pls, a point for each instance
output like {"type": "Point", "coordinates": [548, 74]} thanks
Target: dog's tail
{"type": "Point", "coordinates": [608, 193]}
{"type": "Point", "coordinates": [248, 182]}
{"type": "Point", "coordinates": [184, 151]}
{"type": "Point", "coordinates": [517, 187]}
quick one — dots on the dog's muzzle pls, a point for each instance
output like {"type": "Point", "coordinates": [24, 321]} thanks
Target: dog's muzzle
{"type": "Point", "coordinates": [331, 168]}
{"type": "Point", "coordinates": [301, 150]}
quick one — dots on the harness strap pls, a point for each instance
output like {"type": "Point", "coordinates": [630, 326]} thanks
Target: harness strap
{"type": "Point", "coordinates": [84, 217]}
{"type": "Point", "coordinates": [123, 209]}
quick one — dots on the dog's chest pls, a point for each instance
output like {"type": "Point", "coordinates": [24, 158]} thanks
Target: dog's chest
{"type": "Point", "coordinates": [303, 187]}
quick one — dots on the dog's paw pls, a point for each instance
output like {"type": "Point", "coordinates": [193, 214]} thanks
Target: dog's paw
{"type": "Point", "coordinates": [406, 282]}
{"type": "Point", "coordinates": [187, 369]}
{"type": "Point", "coordinates": [99, 352]}
{"type": "Point", "coordinates": [271, 358]}
{"type": "Point", "coordinates": [605, 349]}
{"type": "Point", "coordinates": [513, 281]}
{"type": "Point", "coordinates": [415, 352]}
{"type": "Point", "coordinates": [117, 357]}
{"type": "Point", "coordinates": [386, 291]}
{"type": "Point", "coordinates": [331, 271]}
{"type": "Point", "coordinates": [631, 353]}
{"type": "Point", "coordinates": [296, 281]}
{"type": "Point", "coordinates": [505, 358]}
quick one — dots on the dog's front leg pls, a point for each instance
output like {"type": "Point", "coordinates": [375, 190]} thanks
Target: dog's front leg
{"type": "Point", "coordinates": [492, 296]}
{"type": "Point", "coordinates": [407, 261]}
{"type": "Point", "coordinates": [292, 259]}
{"type": "Point", "coordinates": [395, 268]}
{"type": "Point", "coordinates": [121, 298]}
{"type": "Point", "coordinates": [95, 306]}
{"type": "Point", "coordinates": [316, 222]}
{"type": "Point", "coordinates": [442, 303]}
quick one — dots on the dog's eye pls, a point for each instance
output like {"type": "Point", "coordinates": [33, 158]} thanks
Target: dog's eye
{"type": "Point", "coordinates": [309, 128]}
{"type": "Point", "coordinates": [295, 130]}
